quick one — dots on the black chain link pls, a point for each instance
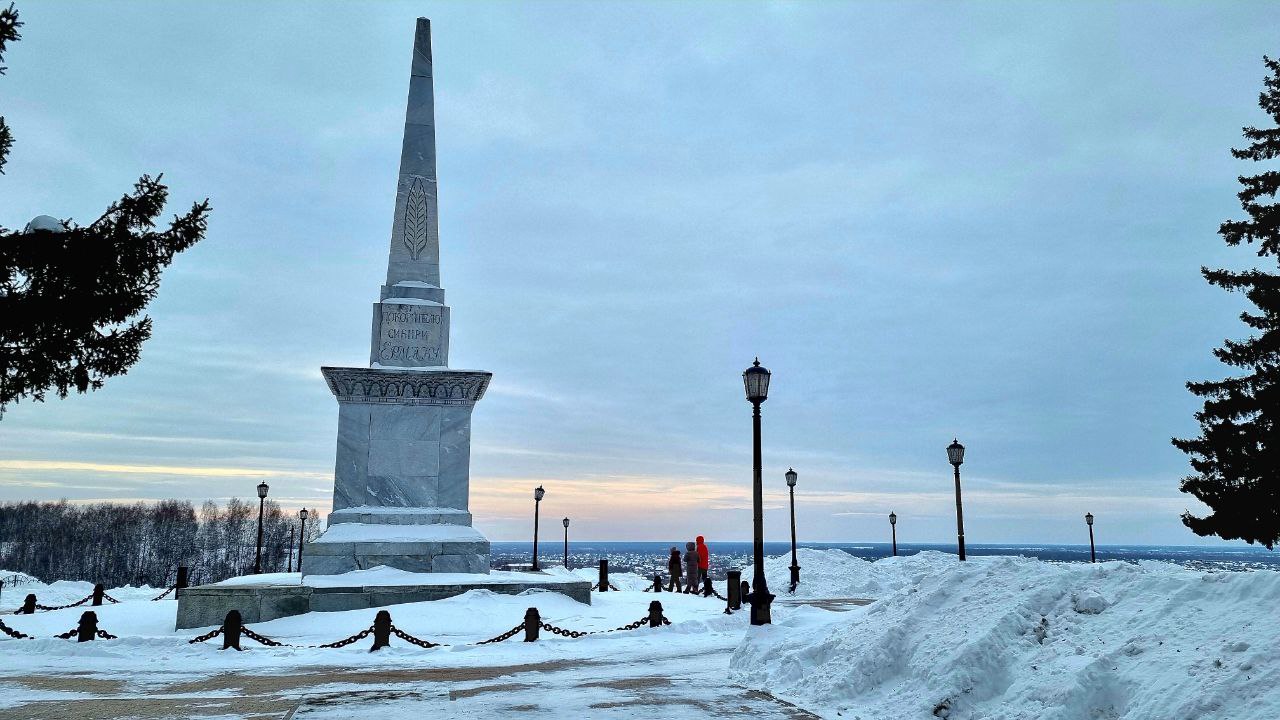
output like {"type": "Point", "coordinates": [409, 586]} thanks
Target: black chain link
{"type": "Point", "coordinates": [15, 634]}
{"type": "Point", "coordinates": [207, 636]}
{"type": "Point", "coordinates": [347, 641]}
{"type": "Point", "coordinates": [164, 594]}
{"type": "Point", "coordinates": [504, 636]}
{"type": "Point", "coordinates": [113, 600]}
{"type": "Point", "coordinates": [106, 635]}
{"type": "Point", "coordinates": [68, 634]}
{"type": "Point", "coordinates": [262, 640]}
{"type": "Point", "coordinates": [413, 640]}
{"type": "Point", "coordinates": [718, 595]}
{"type": "Point", "coordinates": [77, 603]}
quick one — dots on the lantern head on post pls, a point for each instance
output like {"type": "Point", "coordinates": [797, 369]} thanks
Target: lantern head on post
{"type": "Point", "coordinates": [303, 513]}
{"type": "Point", "coordinates": [756, 381]}
{"type": "Point", "coordinates": [1088, 518]}
{"type": "Point", "coordinates": [566, 522]}
{"type": "Point", "coordinates": [893, 518]}
{"type": "Point", "coordinates": [955, 453]}
{"type": "Point", "coordinates": [538, 492]}
{"type": "Point", "coordinates": [791, 477]}
{"type": "Point", "coordinates": [262, 490]}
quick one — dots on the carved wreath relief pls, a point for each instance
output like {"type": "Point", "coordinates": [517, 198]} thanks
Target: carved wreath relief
{"type": "Point", "coordinates": [416, 223]}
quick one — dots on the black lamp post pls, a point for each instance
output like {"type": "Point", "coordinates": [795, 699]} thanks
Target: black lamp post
{"type": "Point", "coordinates": [1093, 555]}
{"type": "Point", "coordinates": [538, 492]}
{"type": "Point", "coordinates": [955, 455]}
{"type": "Point", "coordinates": [566, 543]}
{"type": "Point", "coordinates": [795, 565]}
{"type": "Point", "coordinates": [756, 381]}
{"type": "Point", "coordinates": [893, 528]}
{"type": "Point", "coordinates": [302, 535]}
{"type": "Point", "coordinates": [262, 499]}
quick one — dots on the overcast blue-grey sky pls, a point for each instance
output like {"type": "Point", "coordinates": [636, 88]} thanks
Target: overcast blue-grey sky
{"type": "Point", "coordinates": [928, 220]}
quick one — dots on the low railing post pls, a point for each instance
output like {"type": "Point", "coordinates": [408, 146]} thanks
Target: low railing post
{"type": "Point", "coordinates": [655, 614]}
{"type": "Point", "coordinates": [98, 592]}
{"type": "Point", "coordinates": [182, 577]}
{"type": "Point", "coordinates": [744, 590]}
{"type": "Point", "coordinates": [532, 624]}
{"type": "Point", "coordinates": [88, 626]}
{"type": "Point", "coordinates": [657, 582]}
{"type": "Point", "coordinates": [231, 630]}
{"type": "Point", "coordinates": [28, 605]}
{"type": "Point", "coordinates": [604, 575]}
{"type": "Point", "coordinates": [734, 590]}
{"type": "Point", "coordinates": [381, 630]}
{"type": "Point", "coordinates": [707, 590]}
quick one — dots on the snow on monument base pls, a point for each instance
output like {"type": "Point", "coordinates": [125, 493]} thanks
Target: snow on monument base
{"type": "Point", "coordinates": [434, 548]}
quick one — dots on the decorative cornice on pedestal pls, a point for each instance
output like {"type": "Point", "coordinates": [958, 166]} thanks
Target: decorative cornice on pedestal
{"type": "Point", "coordinates": [407, 387]}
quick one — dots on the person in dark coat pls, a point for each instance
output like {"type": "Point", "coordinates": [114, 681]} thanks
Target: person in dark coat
{"type": "Point", "coordinates": [676, 568]}
{"type": "Point", "coordinates": [690, 567]}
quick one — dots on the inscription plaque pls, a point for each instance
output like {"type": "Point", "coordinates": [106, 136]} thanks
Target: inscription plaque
{"type": "Point", "coordinates": [411, 335]}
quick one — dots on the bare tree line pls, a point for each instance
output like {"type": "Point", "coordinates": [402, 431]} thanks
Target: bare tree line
{"type": "Point", "coordinates": [123, 544]}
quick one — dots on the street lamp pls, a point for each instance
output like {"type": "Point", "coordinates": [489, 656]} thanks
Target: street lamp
{"type": "Point", "coordinates": [262, 499]}
{"type": "Point", "coordinates": [566, 543]}
{"type": "Point", "coordinates": [302, 535]}
{"type": "Point", "coordinates": [795, 566]}
{"type": "Point", "coordinates": [538, 492]}
{"type": "Point", "coordinates": [756, 381]}
{"type": "Point", "coordinates": [955, 455]}
{"type": "Point", "coordinates": [1093, 555]}
{"type": "Point", "coordinates": [893, 528]}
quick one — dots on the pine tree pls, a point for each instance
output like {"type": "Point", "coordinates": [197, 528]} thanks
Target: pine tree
{"type": "Point", "coordinates": [71, 296]}
{"type": "Point", "coordinates": [1237, 456]}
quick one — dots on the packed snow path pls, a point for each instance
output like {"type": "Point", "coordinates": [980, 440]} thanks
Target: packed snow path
{"type": "Point", "coordinates": [676, 671]}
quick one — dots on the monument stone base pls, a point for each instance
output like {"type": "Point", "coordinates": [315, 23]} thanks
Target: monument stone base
{"type": "Point", "coordinates": [434, 548]}
{"type": "Point", "coordinates": [264, 597]}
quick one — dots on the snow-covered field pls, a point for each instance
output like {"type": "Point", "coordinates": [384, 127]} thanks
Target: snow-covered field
{"type": "Point", "coordinates": [995, 637]}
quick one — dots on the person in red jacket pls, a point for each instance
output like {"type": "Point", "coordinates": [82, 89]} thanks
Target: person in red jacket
{"type": "Point", "coordinates": [704, 561]}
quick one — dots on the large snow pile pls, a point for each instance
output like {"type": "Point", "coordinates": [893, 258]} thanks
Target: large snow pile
{"type": "Point", "coordinates": [60, 592]}
{"type": "Point", "coordinates": [828, 574]}
{"type": "Point", "coordinates": [1006, 637]}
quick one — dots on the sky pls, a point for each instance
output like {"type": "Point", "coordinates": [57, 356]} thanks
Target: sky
{"type": "Point", "coordinates": [928, 220]}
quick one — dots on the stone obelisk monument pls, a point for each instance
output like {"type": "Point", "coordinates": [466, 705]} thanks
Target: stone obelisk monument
{"type": "Point", "coordinates": [404, 423]}
{"type": "Point", "coordinates": [404, 438]}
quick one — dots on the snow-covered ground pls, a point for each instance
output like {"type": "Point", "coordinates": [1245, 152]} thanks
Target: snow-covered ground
{"type": "Point", "coordinates": [1007, 637]}
{"type": "Point", "coordinates": [995, 637]}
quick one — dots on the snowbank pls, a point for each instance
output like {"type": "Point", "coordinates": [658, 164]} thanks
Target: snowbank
{"type": "Point", "coordinates": [1006, 637]}
{"type": "Point", "coordinates": [828, 574]}
{"type": "Point", "coordinates": [61, 592]}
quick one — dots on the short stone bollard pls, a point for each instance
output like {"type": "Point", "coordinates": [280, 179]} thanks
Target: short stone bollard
{"type": "Point", "coordinates": [231, 627]}
{"type": "Point", "coordinates": [87, 629]}
{"type": "Point", "coordinates": [28, 605]}
{"type": "Point", "coordinates": [604, 575]}
{"type": "Point", "coordinates": [707, 590]}
{"type": "Point", "coordinates": [532, 624]}
{"type": "Point", "coordinates": [182, 577]}
{"type": "Point", "coordinates": [743, 592]}
{"type": "Point", "coordinates": [657, 582]}
{"type": "Point", "coordinates": [655, 614]}
{"type": "Point", "coordinates": [734, 590]}
{"type": "Point", "coordinates": [98, 592]}
{"type": "Point", "coordinates": [381, 630]}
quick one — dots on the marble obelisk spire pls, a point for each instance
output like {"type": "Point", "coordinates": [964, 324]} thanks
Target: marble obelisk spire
{"type": "Point", "coordinates": [414, 333]}
{"type": "Point", "coordinates": [401, 480]}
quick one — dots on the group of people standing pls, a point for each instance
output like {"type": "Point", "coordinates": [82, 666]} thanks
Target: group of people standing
{"type": "Point", "coordinates": [692, 566]}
